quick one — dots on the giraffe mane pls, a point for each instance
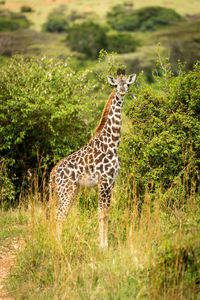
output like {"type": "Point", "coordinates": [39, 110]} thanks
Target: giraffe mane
{"type": "Point", "coordinates": [104, 115]}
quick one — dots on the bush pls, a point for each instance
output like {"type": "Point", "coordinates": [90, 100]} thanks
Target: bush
{"type": "Point", "coordinates": [10, 21]}
{"type": "Point", "coordinates": [163, 143]}
{"type": "Point", "coordinates": [88, 38]}
{"type": "Point", "coordinates": [7, 188]}
{"type": "Point", "coordinates": [26, 9]}
{"type": "Point", "coordinates": [38, 101]}
{"type": "Point", "coordinates": [149, 18]}
{"type": "Point", "coordinates": [121, 43]}
{"type": "Point", "coordinates": [56, 23]}
{"type": "Point", "coordinates": [182, 259]}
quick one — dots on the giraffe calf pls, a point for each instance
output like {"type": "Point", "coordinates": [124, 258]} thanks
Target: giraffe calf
{"type": "Point", "coordinates": [96, 163]}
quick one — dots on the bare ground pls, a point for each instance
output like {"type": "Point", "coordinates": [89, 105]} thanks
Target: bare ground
{"type": "Point", "coordinates": [7, 260]}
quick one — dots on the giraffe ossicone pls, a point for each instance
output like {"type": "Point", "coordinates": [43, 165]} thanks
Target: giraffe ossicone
{"type": "Point", "coordinates": [96, 163]}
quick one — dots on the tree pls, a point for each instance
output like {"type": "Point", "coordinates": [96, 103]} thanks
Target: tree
{"type": "Point", "coordinates": [149, 18]}
{"type": "Point", "coordinates": [56, 23]}
{"type": "Point", "coordinates": [10, 21]}
{"type": "Point", "coordinates": [121, 43]}
{"type": "Point", "coordinates": [42, 117]}
{"type": "Point", "coordinates": [87, 37]}
{"type": "Point", "coordinates": [26, 9]}
{"type": "Point", "coordinates": [164, 139]}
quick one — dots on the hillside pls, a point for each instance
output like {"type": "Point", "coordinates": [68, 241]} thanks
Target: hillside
{"type": "Point", "coordinates": [98, 7]}
{"type": "Point", "coordinates": [177, 41]}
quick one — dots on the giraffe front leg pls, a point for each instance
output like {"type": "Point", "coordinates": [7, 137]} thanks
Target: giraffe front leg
{"type": "Point", "coordinates": [103, 227]}
{"type": "Point", "coordinates": [103, 213]}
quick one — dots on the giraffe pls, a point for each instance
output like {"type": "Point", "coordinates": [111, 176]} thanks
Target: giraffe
{"type": "Point", "coordinates": [96, 163]}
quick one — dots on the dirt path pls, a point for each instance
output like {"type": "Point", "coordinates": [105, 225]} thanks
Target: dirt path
{"type": "Point", "coordinates": [7, 260]}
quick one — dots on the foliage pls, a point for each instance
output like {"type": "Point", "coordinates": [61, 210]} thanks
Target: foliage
{"type": "Point", "coordinates": [164, 139]}
{"type": "Point", "coordinates": [38, 101]}
{"type": "Point", "coordinates": [184, 260]}
{"type": "Point", "coordinates": [56, 23]}
{"type": "Point", "coordinates": [26, 9]}
{"type": "Point", "coordinates": [10, 21]}
{"type": "Point", "coordinates": [87, 37]}
{"type": "Point", "coordinates": [149, 18]}
{"type": "Point", "coordinates": [7, 188]}
{"type": "Point", "coordinates": [117, 14]}
{"type": "Point", "coordinates": [121, 43]}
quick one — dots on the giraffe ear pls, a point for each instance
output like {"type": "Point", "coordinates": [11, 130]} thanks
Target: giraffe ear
{"type": "Point", "coordinates": [131, 78]}
{"type": "Point", "coordinates": [112, 80]}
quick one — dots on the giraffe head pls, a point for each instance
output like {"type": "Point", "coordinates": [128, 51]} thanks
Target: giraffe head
{"type": "Point", "coordinates": [122, 82]}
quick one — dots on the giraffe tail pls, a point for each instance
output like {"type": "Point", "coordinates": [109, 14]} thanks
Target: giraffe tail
{"type": "Point", "coordinates": [50, 198]}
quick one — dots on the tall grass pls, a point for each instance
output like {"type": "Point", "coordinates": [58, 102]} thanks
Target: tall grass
{"type": "Point", "coordinates": [154, 248]}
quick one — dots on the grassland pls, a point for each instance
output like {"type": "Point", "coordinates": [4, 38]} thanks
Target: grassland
{"type": "Point", "coordinates": [98, 7]}
{"type": "Point", "coordinates": [40, 44]}
{"type": "Point", "coordinates": [153, 252]}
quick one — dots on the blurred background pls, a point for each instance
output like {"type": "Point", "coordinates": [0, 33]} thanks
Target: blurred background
{"type": "Point", "coordinates": [80, 29]}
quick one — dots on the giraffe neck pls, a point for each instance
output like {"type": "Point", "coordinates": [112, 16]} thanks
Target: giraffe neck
{"type": "Point", "coordinates": [112, 127]}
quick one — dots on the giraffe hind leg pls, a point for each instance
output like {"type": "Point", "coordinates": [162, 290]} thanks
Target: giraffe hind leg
{"type": "Point", "coordinates": [66, 197]}
{"type": "Point", "coordinates": [52, 197]}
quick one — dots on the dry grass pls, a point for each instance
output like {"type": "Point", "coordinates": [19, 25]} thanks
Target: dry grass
{"type": "Point", "coordinates": [153, 249]}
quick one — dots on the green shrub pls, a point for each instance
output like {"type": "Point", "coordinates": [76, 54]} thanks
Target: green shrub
{"type": "Point", "coordinates": [38, 101]}
{"type": "Point", "coordinates": [10, 21]}
{"type": "Point", "coordinates": [7, 188]}
{"type": "Point", "coordinates": [121, 43]}
{"type": "Point", "coordinates": [26, 9]}
{"type": "Point", "coordinates": [178, 264]}
{"type": "Point", "coordinates": [149, 18]}
{"type": "Point", "coordinates": [87, 37]}
{"type": "Point", "coordinates": [56, 23]}
{"type": "Point", "coordinates": [164, 139]}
